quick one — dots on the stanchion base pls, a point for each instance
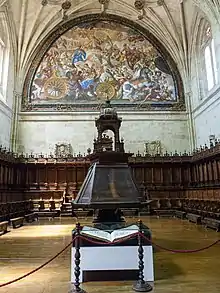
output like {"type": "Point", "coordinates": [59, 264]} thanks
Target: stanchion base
{"type": "Point", "coordinates": [140, 286]}
{"type": "Point", "coordinates": [74, 290]}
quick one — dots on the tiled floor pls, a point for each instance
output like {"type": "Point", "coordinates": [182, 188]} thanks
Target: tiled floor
{"type": "Point", "coordinates": [23, 249]}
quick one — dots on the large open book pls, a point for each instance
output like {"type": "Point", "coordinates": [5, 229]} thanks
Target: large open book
{"type": "Point", "coordinates": [110, 237]}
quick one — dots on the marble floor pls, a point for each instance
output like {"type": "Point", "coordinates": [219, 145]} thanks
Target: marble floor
{"type": "Point", "coordinates": [25, 248]}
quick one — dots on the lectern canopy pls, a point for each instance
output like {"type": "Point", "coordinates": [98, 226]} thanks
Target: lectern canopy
{"type": "Point", "coordinates": [108, 186]}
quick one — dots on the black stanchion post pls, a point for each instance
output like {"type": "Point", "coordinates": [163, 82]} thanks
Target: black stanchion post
{"type": "Point", "coordinates": [77, 288]}
{"type": "Point", "coordinates": [141, 285]}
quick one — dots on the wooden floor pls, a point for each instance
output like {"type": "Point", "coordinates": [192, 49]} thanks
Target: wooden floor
{"type": "Point", "coordinates": [25, 248]}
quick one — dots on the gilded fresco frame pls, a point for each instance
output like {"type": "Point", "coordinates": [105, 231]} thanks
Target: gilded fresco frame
{"type": "Point", "coordinates": [64, 27]}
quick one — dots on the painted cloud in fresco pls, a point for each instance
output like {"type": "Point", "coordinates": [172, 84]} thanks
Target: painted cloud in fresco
{"type": "Point", "coordinates": [92, 62]}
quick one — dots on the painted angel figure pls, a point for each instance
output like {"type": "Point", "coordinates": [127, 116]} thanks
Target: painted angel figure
{"type": "Point", "coordinates": [78, 55]}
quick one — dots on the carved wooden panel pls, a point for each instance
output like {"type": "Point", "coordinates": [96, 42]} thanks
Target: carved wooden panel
{"type": "Point", "coordinates": [215, 170]}
{"type": "Point", "coordinates": [157, 175]}
{"type": "Point", "coordinates": [138, 175]}
{"type": "Point", "coordinates": [166, 175]}
{"type": "Point", "coordinates": [176, 175]}
{"type": "Point", "coordinates": [70, 174]}
{"type": "Point", "coordinates": [32, 174]}
{"type": "Point", "coordinates": [42, 174]}
{"type": "Point", "coordinates": [147, 175]}
{"type": "Point", "coordinates": [61, 175]}
{"type": "Point", "coordinates": [210, 194]}
{"type": "Point", "coordinates": [51, 174]}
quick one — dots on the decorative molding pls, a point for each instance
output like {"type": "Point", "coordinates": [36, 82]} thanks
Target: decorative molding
{"type": "Point", "coordinates": [139, 115]}
{"type": "Point", "coordinates": [139, 5]}
{"type": "Point", "coordinates": [64, 5]}
{"type": "Point", "coordinates": [28, 107]}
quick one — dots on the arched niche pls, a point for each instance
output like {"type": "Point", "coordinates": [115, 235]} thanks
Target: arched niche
{"type": "Point", "coordinates": [106, 57]}
{"type": "Point", "coordinates": [108, 136]}
{"type": "Point", "coordinates": [4, 57]}
{"type": "Point", "coordinates": [205, 52]}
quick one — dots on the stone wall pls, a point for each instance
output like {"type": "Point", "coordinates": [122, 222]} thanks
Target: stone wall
{"type": "Point", "coordinates": [40, 132]}
{"type": "Point", "coordinates": [5, 124]}
{"type": "Point", "coordinates": [207, 119]}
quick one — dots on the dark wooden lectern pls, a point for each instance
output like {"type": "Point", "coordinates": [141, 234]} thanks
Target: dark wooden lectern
{"type": "Point", "coordinates": [109, 185]}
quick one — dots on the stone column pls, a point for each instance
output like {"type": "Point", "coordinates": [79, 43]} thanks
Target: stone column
{"type": "Point", "coordinates": [192, 135]}
{"type": "Point", "coordinates": [15, 117]}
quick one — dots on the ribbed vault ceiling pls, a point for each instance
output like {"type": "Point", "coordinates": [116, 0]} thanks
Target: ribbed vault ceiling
{"type": "Point", "coordinates": [170, 21]}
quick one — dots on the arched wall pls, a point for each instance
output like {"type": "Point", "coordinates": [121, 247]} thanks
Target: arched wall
{"type": "Point", "coordinates": [40, 129]}
{"type": "Point", "coordinates": [7, 86]}
{"type": "Point", "coordinates": [205, 104]}
{"type": "Point", "coordinates": [91, 21]}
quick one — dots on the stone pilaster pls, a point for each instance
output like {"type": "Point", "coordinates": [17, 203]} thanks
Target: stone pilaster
{"type": "Point", "coordinates": [192, 134]}
{"type": "Point", "coordinates": [14, 126]}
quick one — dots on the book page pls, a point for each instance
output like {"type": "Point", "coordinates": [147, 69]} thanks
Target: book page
{"type": "Point", "coordinates": [124, 232]}
{"type": "Point", "coordinates": [95, 233]}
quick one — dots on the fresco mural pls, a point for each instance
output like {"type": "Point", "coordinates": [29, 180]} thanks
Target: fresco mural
{"type": "Point", "coordinates": [93, 62]}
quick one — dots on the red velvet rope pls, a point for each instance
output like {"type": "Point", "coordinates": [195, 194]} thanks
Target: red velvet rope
{"type": "Point", "coordinates": [148, 240]}
{"type": "Point", "coordinates": [106, 243]}
{"type": "Point", "coordinates": [179, 251]}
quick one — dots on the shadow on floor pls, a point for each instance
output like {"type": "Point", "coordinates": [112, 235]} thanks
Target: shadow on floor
{"type": "Point", "coordinates": [165, 269]}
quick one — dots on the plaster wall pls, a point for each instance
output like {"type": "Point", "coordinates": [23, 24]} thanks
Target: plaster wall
{"type": "Point", "coordinates": [207, 119]}
{"type": "Point", "coordinates": [40, 132]}
{"type": "Point", "coordinates": [5, 124]}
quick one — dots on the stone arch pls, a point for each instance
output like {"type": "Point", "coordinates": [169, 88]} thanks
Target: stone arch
{"type": "Point", "coordinates": [4, 55]}
{"type": "Point", "coordinates": [204, 41]}
{"type": "Point", "coordinates": [199, 26]}
{"type": "Point", "coordinates": [60, 30]}
{"type": "Point", "coordinates": [208, 8]}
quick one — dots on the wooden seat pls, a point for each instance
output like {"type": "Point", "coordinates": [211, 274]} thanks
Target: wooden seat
{"type": "Point", "coordinates": [180, 214]}
{"type": "Point", "coordinates": [17, 222]}
{"type": "Point", "coordinates": [164, 213]}
{"type": "Point", "coordinates": [31, 217]}
{"type": "Point", "coordinates": [194, 218]}
{"type": "Point", "coordinates": [3, 227]}
{"type": "Point", "coordinates": [41, 205]}
{"type": "Point", "coordinates": [212, 223]}
{"type": "Point", "coordinates": [49, 214]}
{"type": "Point", "coordinates": [175, 203]}
{"type": "Point", "coordinates": [52, 206]}
{"type": "Point", "coordinates": [164, 209]}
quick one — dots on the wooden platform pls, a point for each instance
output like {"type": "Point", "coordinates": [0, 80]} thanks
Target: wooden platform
{"type": "Point", "coordinates": [35, 243]}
